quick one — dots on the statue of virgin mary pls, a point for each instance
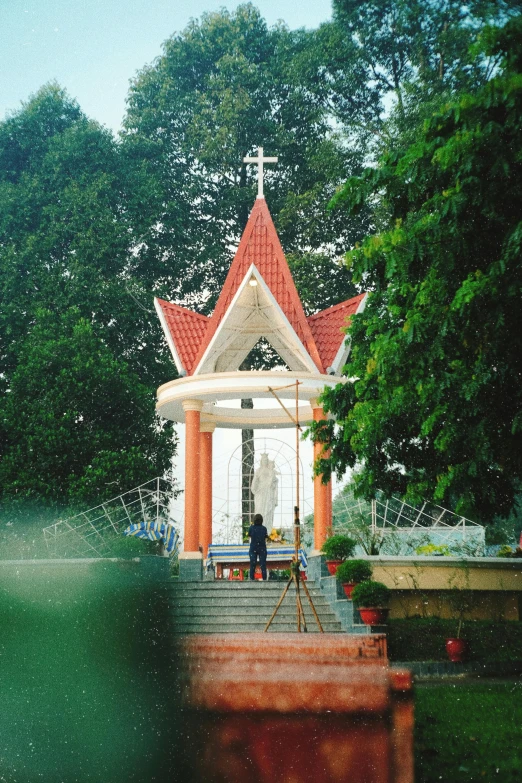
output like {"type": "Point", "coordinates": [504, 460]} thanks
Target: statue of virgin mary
{"type": "Point", "coordinates": [264, 489]}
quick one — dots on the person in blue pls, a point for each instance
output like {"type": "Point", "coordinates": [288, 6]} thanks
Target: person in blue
{"type": "Point", "coordinates": [258, 535]}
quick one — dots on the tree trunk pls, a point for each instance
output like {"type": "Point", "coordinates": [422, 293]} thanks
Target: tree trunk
{"type": "Point", "coordinates": [247, 471]}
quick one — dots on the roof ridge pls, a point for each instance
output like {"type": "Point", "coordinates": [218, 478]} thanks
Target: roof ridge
{"type": "Point", "coordinates": [332, 308]}
{"type": "Point", "coordinates": [184, 309]}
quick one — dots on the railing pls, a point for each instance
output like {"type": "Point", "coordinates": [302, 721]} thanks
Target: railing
{"type": "Point", "coordinates": [395, 527]}
{"type": "Point", "coordinates": [98, 531]}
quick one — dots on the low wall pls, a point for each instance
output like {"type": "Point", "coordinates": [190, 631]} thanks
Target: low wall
{"type": "Point", "coordinates": [420, 585]}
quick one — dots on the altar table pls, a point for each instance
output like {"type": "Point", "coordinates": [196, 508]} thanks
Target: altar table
{"type": "Point", "coordinates": [237, 556]}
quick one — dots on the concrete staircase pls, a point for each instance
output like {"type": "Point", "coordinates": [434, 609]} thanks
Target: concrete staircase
{"type": "Point", "coordinates": [243, 607]}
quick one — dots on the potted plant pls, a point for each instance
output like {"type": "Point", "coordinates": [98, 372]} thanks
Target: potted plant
{"type": "Point", "coordinates": [351, 572]}
{"type": "Point", "coordinates": [372, 601]}
{"type": "Point", "coordinates": [461, 602]}
{"type": "Point", "coordinates": [336, 549]}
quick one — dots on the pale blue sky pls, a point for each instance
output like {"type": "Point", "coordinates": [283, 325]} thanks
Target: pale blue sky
{"type": "Point", "coordinates": [93, 47]}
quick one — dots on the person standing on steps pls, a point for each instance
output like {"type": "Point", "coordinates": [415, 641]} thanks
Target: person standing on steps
{"type": "Point", "coordinates": [258, 535]}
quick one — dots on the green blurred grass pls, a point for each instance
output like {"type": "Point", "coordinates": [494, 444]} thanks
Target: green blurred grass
{"type": "Point", "coordinates": [86, 676]}
{"type": "Point", "coordinates": [468, 732]}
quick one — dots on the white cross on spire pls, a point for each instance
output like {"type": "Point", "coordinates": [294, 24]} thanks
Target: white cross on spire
{"type": "Point", "coordinates": [260, 160]}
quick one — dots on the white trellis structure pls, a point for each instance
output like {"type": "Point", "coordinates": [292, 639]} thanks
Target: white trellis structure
{"type": "Point", "coordinates": [227, 519]}
{"type": "Point", "coordinates": [399, 528]}
{"type": "Point", "coordinates": [98, 532]}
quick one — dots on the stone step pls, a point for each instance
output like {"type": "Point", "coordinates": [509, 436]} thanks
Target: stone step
{"type": "Point", "coordinates": [242, 627]}
{"type": "Point", "coordinates": [265, 606]}
{"type": "Point", "coordinates": [265, 611]}
{"type": "Point", "coordinates": [244, 607]}
{"type": "Point", "coordinates": [238, 592]}
{"type": "Point", "coordinates": [226, 586]}
{"type": "Point", "coordinates": [234, 595]}
{"type": "Point", "coordinates": [241, 619]}
{"type": "Point", "coordinates": [257, 629]}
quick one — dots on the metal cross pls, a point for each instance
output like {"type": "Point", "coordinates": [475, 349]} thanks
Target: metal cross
{"type": "Point", "coordinates": [260, 160]}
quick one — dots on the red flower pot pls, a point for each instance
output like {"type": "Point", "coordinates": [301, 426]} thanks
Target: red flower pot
{"type": "Point", "coordinates": [348, 587]}
{"type": "Point", "coordinates": [457, 649]}
{"type": "Point", "coordinates": [373, 615]}
{"type": "Point", "coordinates": [332, 566]}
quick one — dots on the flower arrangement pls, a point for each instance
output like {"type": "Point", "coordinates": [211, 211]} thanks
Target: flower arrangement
{"type": "Point", "coordinates": [276, 536]}
{"type": "Point", "coordinates": [507, 551]}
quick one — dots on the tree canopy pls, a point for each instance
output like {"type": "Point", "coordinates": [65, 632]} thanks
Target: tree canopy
{"type": "Point", "coordinates": [224, 86]}
{"type": "Point", "coordinates": [67, 317]}
{"type": "Point", "coordinates": [91, 227]}
{"type": "Point", "coordinates": [435, 409]}
{"type": "Point", "coordinates": [415, 54]}
{"type": "Point", "coordinates": [77, 420]}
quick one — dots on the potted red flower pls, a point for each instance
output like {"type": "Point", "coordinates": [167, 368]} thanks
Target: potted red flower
{"type": "Point", "coordinates": [336, 549]}
{"type": "Point", "coordinates": [372, 600]}
{"type": "Point", "coordinates": [351, 572]}
{"type": "Point", "coordinates": [461, 601]}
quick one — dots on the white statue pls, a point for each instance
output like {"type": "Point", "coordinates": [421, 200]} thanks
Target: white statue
{"type": "Point", "coordinates": [264, 489]}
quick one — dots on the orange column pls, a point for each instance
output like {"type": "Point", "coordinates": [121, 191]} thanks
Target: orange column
{"type": "Point", "coordinates": [205, 486]}
{"type": "Point", "coordinates": [322, 492]}
{"type": "Point", "coordinates": [192, 410]}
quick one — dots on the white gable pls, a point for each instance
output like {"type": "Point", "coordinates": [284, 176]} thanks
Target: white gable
{"type": "Point", "coordinates": [253, 313]}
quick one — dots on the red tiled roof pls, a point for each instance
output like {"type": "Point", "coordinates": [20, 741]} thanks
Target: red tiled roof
{"type": "Point", "coordinates": [326, 327]}
{"type": "Point", "coordinates": [187, 330]}
{"type": "Point", "coordinates": [260, 246]}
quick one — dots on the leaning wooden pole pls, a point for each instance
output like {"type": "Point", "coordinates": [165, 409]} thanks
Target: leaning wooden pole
{"type": "Point", "coordinates": [295, 576]}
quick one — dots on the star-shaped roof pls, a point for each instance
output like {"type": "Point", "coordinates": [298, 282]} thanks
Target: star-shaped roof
{"type": "Point", "coordinates": [258, 299]}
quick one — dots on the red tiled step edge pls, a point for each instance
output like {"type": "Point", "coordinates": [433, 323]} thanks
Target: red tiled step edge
{"type": "Point", "coordinates": [294, 709]}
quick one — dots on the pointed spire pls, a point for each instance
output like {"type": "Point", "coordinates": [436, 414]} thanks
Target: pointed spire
{"type": "Point", "coordinates": [261, 248]}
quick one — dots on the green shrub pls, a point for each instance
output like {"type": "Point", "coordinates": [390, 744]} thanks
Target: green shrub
{"type": "Point", "coordinates": [354, 571]}
{"type": "Point", "coordinates": [507, 551]}
{"type": "Point", "coordinates": [371, 593]}
{"type": "Point", "coordinates": [433, 549]}
{"type": "Point", "coordinates": [338, 547]}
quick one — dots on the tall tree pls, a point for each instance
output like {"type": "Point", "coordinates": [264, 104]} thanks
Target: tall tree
{"type": "Point", "coordinates": [77, 420]}
{"type": "Point", "coordinates": [435, 411]}
{"type": "Point", "coordinates": [417, 53]}
{"type": "Point", "coordinates": [65, 244]}
{"type": "Point", "coordinates": [227, 84]}
{"type": "Point", "coordinates": [65, 236]}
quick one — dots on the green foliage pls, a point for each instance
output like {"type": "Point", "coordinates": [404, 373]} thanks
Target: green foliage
{"type": "Point", "coordinates": [507, 551]}
{"type": "Point", "coordinates": [80, 362]}
{"type": "Point", "coordinates": [435, 410]}
{"type": "Point", "coordinates": [371, 594]}
{"type": "Point", "coordinates": [338, 547]}
{"type": "Point", "coordinates": [225, 85]}
{"type": "Point", "coordinates": [74, 646]}
{"type": "Point", "coordinates": [461, 603]}
{"type": "Point", "coordinates": [506, 530]}
{"type": "Point", "coordinates": [416, 55]}
{"type": "Point", "coordinates": [77, 421]}
{"type": "Point", "coordinates": [354, 571]}
{"type": "Point", "coordinates": [433, 549]}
